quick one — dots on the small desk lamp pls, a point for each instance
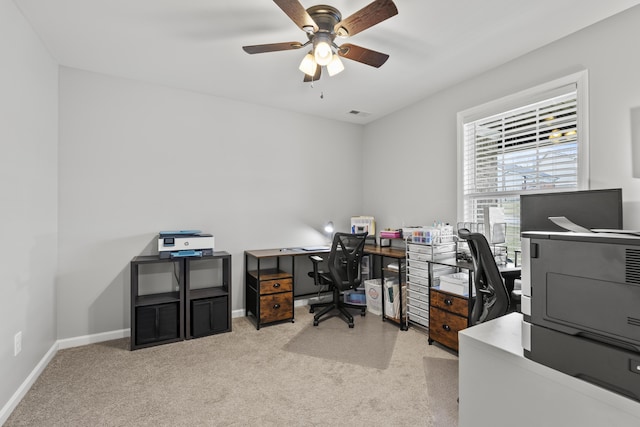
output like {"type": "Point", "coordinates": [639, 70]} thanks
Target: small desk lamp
{"type": "Point", "coordinates": [328, 229]}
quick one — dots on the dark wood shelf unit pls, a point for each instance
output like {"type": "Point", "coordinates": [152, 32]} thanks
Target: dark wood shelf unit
{"type": "Point", "coordinates": [156, 318]}
{"type": "Point", "coordinates": [168, 316]}
{"type": "Point", "coordinates": [211, 292]}
{"type": "Point", "coordinates": [208, 309]}
{"type": "Point", "coordinates": [153, 299]}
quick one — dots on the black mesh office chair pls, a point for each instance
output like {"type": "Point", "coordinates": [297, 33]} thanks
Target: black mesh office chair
{"type": "Point", "coordinates": [492, 297]}
{"type": "Point", "coordinates": [344, 273]}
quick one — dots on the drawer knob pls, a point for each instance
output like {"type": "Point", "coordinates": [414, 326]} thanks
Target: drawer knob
{"type": "Point", "coordinates": [276, 305]}
{"type": "Point", "coordinates": [276, 285]}
{"type": "Point", "coordinates": [446, 327]}
{"type": "Point", "coordinates": [447, 301]}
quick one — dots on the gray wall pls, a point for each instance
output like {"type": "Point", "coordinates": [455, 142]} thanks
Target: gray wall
{"type": "Point", "coordinates": [28, 194]}
{"type": "Point", "coordinates": [137, 158]}
{"type": "Point", "coordinates": [421, 139]}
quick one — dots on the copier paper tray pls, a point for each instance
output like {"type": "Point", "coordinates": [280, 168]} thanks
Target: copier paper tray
{"type": "Point", "coordinates": [609, 367]}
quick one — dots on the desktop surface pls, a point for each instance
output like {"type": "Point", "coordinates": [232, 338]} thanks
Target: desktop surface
{"type": "Point", "coordinates": [311, 250]}
{"type": "Point", "coordinates": [292, 251]}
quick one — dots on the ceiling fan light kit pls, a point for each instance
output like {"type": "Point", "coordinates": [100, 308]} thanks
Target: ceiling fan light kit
{"type": "Point", "coordinates": [322, 24]}
{"type": "Point", "coordinates": [322, 52]}
{"type": "Point", "coordinates": [308, 65]}
{"type": "Point", "coordinates": [335, 66]}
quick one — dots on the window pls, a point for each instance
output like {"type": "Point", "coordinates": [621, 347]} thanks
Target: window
{"type": "Point", "coordinates": [532, 142]}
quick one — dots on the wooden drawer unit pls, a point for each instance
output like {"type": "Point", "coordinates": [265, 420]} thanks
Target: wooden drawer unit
{"type": "Point", "coordinates": [269, 296]}
{"type": "Point", "coordinates": [276, 307]}
{"type": "Point", "coordinates": [456, 304]}
{"type": "Point", "coordinates": [276, 285]}
{"type": "Point", "coordinates": [448, 314]}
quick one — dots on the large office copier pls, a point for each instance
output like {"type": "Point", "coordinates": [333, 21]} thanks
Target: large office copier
{"type": "Point", "coordinates": [581, 306]}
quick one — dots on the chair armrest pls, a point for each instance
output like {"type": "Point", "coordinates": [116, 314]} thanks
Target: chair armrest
{"type": "Point", "coordinates": [316, 260]}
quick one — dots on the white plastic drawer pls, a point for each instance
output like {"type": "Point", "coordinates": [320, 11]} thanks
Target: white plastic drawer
{"type": "Point", "coordinates": [419, 311]}
{"type": "Point", "coordinates": [424, 281]}
{"type": "Point", "coordinates": [417, 287]}
{"type": "Point", "coordinates": [419, 319]}
{"type": "Point", "coordinates": [418, 248]}
{"type": "Point", "coordinates": [418, 264]}
{"type": "Point", "coordinates": [418, 256]}
{"type": "Point", "coordinates": [418, 272]}
{"type": "Point", "coordinates": [415, 302]}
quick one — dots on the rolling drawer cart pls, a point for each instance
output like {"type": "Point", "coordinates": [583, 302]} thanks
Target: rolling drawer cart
{"type": "Point", "coordinates": [422, 273]}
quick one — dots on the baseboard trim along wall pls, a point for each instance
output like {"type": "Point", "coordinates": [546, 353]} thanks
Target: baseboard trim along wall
{"type": "Point", "coordinates": [92, 339]}
{"type": "Point", "coordinates": [6, 411]}
{"type": "Point", "coordinates": [62, 344]}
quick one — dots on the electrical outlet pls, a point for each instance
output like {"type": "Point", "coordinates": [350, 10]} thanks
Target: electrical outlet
{"type": "Point", "coordinates": [17, 343]}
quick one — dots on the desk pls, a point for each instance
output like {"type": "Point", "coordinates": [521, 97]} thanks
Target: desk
{"type": "Point", "coordinates": [493, 369]}
{"type": "Point", "coordinates": [269, 292]}
{"type": "Point", "coordinates": [450, 313]}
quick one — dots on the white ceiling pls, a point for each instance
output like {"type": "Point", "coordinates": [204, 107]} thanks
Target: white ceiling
{"type": "Point", "coordinates": [197, 45]}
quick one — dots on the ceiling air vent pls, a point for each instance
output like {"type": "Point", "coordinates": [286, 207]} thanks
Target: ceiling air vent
{"type": "Point", "coordinates": [632, 266]}
{"type": "Point", "coordinates": [359, 113]}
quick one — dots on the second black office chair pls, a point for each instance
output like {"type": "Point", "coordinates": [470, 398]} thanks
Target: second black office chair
{"type": "Point", "coordinates": [492, 297]}
{"type": "Point", "coordinates": [344, 273]}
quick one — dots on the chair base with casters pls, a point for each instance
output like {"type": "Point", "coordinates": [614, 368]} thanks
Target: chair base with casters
{"type": "Point", "coordinates": [344, 274]}
{"type": "Point", "coordinates": [340, 305]}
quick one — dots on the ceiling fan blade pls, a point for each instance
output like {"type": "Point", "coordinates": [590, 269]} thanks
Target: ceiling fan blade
{"type": "Point", "coordinates": [297, 13]}
{"type": "Point", "coordinates": [367, 17]}
{"type": "Point", "coordinates": [363, 55]}
{"type": "Point", "coordinates": [315, 77]}
{"type": "Point", "coordinates": [272, 47]}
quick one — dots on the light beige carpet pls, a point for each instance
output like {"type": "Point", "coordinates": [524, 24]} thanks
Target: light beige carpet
{"type": "Point", "coordinates": [369, 343]}
{"type": "Point", "coordinates": [442, 388]}
{"type": "Point", "coordinates": [241, 378]}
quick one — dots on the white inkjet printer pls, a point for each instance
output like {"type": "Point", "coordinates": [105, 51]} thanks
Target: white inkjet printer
{"type": "Point", "coordinates": [184, 243]}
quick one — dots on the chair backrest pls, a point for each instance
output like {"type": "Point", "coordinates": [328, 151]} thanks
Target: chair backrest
{"type": "Point", "coordinates": [492, 298]}
{"type": "Point", "coordinates": [345, 259]}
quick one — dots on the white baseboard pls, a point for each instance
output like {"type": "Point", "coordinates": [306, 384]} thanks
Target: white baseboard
{"type": "Point", "coordinates": [6, 411]}
{"type": "Point", "coordinates": [92, 339]}
{"type": "Point", "coordinates": [62, 344]}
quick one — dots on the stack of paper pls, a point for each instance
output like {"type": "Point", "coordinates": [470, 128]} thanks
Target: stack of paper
{"type": "Point", "coordinates": [457, 283]}
{"type": "Point", "coordinates": [494, 226]}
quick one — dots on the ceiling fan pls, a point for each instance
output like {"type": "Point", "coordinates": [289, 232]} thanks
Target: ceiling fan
{"type": "Point", "coordinates": [323, 24]}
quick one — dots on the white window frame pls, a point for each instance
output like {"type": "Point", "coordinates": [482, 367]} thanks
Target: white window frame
{"type": "Point", "coordinates": [521, 99]}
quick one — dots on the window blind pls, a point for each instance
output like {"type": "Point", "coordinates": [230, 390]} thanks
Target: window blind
{"type": "Point", "coordinates": [528, 149]}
